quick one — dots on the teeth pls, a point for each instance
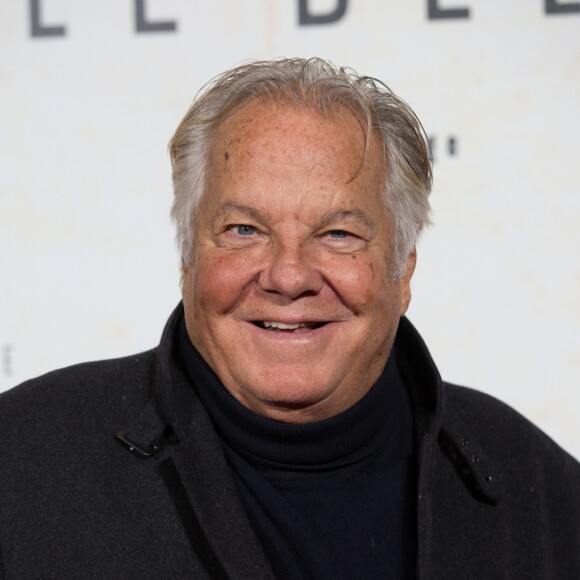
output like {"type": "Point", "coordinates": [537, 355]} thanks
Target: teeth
{"type": "Point", "coordinates": [283, 326]}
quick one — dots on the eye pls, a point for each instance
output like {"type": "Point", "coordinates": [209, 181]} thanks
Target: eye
{"type": "Point", "coordinates": [343, 241]}
{"type": "Point", "coordinates": [338, 234]}
{"type": "Point", "coordinates": [244, 230]}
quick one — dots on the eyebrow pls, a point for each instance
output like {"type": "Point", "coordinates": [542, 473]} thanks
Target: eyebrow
{"type": "Point", "coordinates": [349, 215]}
{"type": "Point", "coordinates": [228, 206]}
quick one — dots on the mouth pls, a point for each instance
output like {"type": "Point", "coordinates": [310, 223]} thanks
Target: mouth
{"type": "Point", "coordinates": [275, 326]}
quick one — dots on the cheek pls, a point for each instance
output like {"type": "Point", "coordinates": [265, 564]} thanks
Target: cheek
{"type": "Point", "coordinates": [361, 282]}
{"type": "Point", "coordinates": [220, 281]}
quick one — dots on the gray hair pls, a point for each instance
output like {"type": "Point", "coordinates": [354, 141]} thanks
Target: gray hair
{"type": "Point", "coordinates": [314, 84]}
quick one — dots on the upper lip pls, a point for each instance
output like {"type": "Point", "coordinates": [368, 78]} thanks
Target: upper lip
{"type": "Point", "coordinates": [290, 319]}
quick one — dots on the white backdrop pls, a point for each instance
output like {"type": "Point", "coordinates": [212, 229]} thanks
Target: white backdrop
{"type": "Point", "coordinates": [91, 91]}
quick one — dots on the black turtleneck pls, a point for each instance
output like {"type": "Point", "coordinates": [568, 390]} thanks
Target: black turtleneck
{"type": "Point", "coordinates": [328, 499]}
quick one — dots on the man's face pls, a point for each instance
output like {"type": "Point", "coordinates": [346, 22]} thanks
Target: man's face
{"type": "Point", "coordinates": [291, 298]}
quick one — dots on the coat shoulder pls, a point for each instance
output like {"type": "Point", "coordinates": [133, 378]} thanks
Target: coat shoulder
{"type": "Point", "coordinates": [519, 492]}
{"type": "Point", "coordinates": [76, 397]}
{"type": "Point", "coordinates": [501, 426]}
{"type": "Point", "coordinates": [534, 471]}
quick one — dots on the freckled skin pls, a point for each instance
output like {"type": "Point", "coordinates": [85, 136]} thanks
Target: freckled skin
{"type": "Point", "coordinates": [292, 228]}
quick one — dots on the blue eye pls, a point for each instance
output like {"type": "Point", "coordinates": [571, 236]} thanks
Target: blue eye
{"type": "Point", "coordinates": [244, 230]}
{"type": "Point", "coordinates": [338, 234]}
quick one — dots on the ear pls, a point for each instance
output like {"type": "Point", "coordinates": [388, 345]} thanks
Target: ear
{"type": "Point", "coordinates": [183, 277]}
{"type": "Point", "coordinates": [405, 281]}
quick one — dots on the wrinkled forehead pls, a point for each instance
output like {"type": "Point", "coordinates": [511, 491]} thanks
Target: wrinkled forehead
{"type": "Point", "coordinates": [295, 130]}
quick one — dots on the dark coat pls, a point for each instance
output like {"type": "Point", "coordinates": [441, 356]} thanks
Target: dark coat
{"type": "Point", "coordinates": [496, 497]}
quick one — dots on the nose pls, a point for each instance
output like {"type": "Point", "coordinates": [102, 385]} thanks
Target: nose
{"type": "Point", "coordinates": [291, 273]}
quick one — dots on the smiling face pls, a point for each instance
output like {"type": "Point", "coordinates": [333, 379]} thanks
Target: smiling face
{"type": "Point", "coordinates": [290, 297]}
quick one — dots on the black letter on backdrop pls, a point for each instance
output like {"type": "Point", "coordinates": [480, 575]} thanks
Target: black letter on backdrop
{"type": "Point", "coordinates": [304, 16]}
{"type": "Point", "coordinates": [144, 25]}
{"type": "Point", "coordinates": [435, 12]}
{"type": "Point", "coordinates": [452, 146]}
{"type": "Point", "coordinates": [36, 27]}
{"type": "Point", "coordinates": [554, 7]}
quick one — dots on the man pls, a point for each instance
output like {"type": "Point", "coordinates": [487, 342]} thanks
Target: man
{"type": "Point", "coordinates": [291, 423]}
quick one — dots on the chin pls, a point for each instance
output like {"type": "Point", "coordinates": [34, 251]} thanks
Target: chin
{"type": "Point", "coordinates": [291, 398]}
{"type": "Point", "coordinates": [275, 397]}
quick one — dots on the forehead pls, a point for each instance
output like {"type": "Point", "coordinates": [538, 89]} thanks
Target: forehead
{"type": "Point", "coordinates": [269, 139]}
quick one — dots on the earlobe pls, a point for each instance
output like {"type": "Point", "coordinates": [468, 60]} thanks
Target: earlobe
{"type": "Point", "coordinates": [406, 281]}
{"type": "Point", "coordinates": [183, 276]}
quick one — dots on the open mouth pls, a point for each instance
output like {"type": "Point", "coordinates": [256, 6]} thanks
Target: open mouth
{"type": "Point", "coordinates": [283, 327]}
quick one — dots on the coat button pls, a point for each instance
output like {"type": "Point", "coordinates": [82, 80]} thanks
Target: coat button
{"type": "Point", "coordinates": [475, 459]}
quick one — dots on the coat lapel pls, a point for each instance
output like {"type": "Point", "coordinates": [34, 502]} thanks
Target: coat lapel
{"type": "Point", "coordinates": [213, 497]}
{"type": "Point", "coordinates": [176, 430]}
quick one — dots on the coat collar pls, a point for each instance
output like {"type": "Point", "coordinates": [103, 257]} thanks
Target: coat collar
{"type": "Point", "coordinates": [173, 405]}
{"type": "Point", "coordinates": [441, 425]}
